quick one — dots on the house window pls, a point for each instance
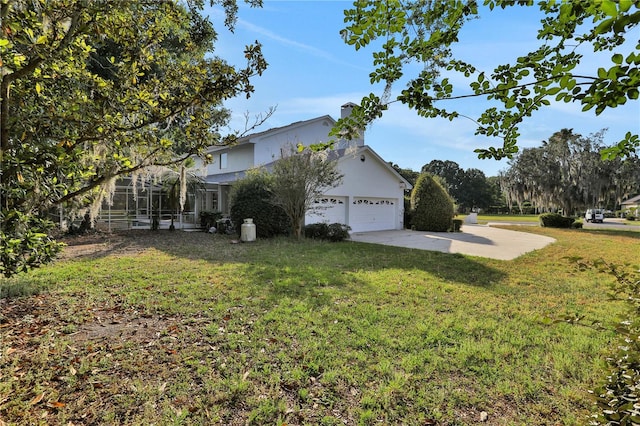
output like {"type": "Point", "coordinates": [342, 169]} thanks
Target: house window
{"type": "Point", "coordinates": [223, 160]}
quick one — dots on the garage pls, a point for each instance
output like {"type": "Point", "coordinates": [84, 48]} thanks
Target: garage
{"type": "Point", "coordinates": [369, 197]}
{"type": "Point", "coordinates": [373, 214]}
{"type": "Point", "coordinates": [330, 209]}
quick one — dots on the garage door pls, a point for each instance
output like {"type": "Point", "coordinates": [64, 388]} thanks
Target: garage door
{"type": "Point", "coordinates": [329, 210]}
{"type": "Point", "coordinates": [373, 214]}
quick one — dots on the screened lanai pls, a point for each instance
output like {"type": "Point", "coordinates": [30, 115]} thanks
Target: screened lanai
{"type": "Point", "coordinates": [152, 198]}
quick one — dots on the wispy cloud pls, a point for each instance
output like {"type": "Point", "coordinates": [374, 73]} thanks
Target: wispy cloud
{"type": "Point", "coordinates": [273, 36]}
{"type": "Point", "coordinates": [311, 50]}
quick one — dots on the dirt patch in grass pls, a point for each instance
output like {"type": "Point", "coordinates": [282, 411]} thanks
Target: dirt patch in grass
{"type": "Point", "coordinates": [93, 245]}
{"type": "Point", "coordinates": [25, 318]}
{"type": "Point", "coordinates": [130, 326]}
{"type": "Point", "coordinates": [100, 244]}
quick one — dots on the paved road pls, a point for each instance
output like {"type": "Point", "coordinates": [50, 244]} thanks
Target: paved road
{"type": "Point", "coordinates": [612, 223]}
{"type": "Point", "coordinates": [618, 224]}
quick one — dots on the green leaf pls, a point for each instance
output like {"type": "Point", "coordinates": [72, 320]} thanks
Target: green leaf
{"type": "Point", "coordinates": [609, 8]}
{"type": "Point", "coordinates": [625, 5]}
{"type": "Point", "coordinates": [604, 26]}
{"type": "Point", "coordinates": [602, 73]}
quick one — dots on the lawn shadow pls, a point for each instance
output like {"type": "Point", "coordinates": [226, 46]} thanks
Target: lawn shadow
{"type": "Point", "coordinates": [452, 267]}
{"type": "Point", "coordinates": [273, 270]}
{"type": "Point", "coordinates": [311, 263]}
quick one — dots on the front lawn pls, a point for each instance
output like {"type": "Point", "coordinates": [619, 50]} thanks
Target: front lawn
{"type": "Point", "coordinates": [190, 328]}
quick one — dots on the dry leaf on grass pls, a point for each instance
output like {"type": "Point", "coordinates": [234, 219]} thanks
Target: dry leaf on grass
{"type": "Point", "coordinates": [37, 399]}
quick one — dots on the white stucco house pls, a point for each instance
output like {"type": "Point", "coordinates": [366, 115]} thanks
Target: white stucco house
{"type": "Point", "coordinates": [370, 197]}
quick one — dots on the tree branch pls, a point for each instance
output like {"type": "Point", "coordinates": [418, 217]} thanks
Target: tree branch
{"type": "Point", "coordinates": [520, 86]}
{"type": "Point", "coordinates": [145, 162]}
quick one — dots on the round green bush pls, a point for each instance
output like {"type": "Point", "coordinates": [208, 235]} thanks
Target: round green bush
{"type": "Point", "coordinates": [251, 198]}
{"type": "Point", "coordinates": [555, 220]}
{"type": "Point", "coordinates": [431, 205]}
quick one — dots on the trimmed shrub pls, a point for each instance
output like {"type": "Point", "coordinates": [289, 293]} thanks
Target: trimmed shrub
{"type": "Point", "coordinates": [555, 220]}
{"type": "Point", "coordinates": [431, 205]}
{"type": "Point", "coordinates": [456, 225]}
{"type": "Point", "coordinates": [334, 232]}
{"type": "Point", "coordinates": [338, 232]}
{"type": "Point", "coordinates": [316, 230]}
{"type": "Point", "coordinates": [251, 198]}
{"type": "Point", "coordinates": [577, 225]}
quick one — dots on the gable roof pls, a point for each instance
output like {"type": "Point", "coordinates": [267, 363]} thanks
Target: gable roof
{"type": "Point", "coordinates": [342, 153]}
{"type": "Point", "coordinates": [631, 201]}
{"type": "Point", "coordinates": [332, 155]}
{"type": "Point", "coordinates": [251, 138]}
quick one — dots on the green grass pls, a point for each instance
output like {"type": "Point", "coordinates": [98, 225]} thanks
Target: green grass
{"type": "Point", "coordinates": [187, 328]}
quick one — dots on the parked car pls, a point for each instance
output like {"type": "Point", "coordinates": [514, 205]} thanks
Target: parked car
{"type": "Point", "coordinates": [594, 215]}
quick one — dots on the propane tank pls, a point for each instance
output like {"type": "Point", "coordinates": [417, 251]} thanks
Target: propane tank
{"type": "Point", "coordinates": [248, 231]}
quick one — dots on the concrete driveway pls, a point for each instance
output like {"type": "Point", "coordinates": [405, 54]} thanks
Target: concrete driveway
{"type": "Point", "coordinates": [474, 240]}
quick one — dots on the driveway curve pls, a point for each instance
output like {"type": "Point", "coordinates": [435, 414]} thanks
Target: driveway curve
{"type": "Point", "coordinates": [474, 240]}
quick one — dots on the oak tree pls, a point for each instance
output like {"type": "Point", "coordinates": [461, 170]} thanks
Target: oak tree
{"type": "Point", "coordinates": [93, 90]}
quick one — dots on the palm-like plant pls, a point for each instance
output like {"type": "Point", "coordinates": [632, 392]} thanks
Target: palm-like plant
{"type": "Point", "coordinates": [176, 185]}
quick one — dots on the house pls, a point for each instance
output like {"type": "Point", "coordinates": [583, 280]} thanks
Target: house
{"type": "Point", "coordinates": [370, 197]}
{"type": "Point", "coordinates": [632, 204]}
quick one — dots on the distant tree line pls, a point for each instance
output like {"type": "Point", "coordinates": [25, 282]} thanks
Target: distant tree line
{"type": "Point", "coordinates": [566, 173]}
{"type": "Point", "coordinates": [471, 189]}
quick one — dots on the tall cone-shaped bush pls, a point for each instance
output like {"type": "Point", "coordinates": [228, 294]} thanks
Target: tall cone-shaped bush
{"type": "Point", "coordinates": [431, 205]}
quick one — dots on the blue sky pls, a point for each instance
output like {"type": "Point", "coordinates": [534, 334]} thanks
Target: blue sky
{"type": "Point", "coordinates": [312, 73]}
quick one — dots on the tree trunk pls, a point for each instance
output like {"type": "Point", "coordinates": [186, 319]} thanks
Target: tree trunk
{"type": "Point", "coordinates": [298, 229]}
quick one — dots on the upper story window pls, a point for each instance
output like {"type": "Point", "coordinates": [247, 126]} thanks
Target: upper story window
{"type": "Point", "coordinates": [223, 160]}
